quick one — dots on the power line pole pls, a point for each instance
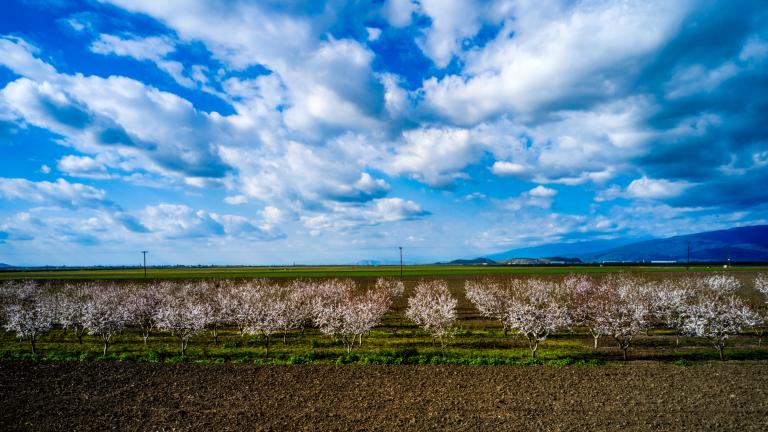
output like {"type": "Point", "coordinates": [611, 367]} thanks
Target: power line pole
{"type": "Point", "coordinates": [145, 262]}
{"type": "Point", "coordinates": [401, 261]}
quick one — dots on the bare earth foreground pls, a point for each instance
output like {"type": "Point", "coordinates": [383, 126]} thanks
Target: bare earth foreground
{"type": "Point", "coordinates": [634, 396]}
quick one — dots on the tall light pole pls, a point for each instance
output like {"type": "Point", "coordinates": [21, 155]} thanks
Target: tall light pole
{"type": "Point", "coordinates": [401, 261]}
{"type": "Point", "coordinates": [145, 262]}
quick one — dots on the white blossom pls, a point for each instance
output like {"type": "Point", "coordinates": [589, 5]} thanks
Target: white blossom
{"type": "Point", "coordinates": [536, 309]}
{"type": "Point", "coordinates": [433, 308]}
{"type": "Point", "coordinates": [183, 314]}
{"type": "Point", "coordinates": [717, 313]}
{"type": "Point", "coordinates": [105, 312]}
{"type": "Point", "coordinates": [26, 313]}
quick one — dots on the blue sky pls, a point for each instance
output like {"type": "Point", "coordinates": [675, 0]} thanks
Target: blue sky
{"type": "Point", "coordinates": [270, 132]}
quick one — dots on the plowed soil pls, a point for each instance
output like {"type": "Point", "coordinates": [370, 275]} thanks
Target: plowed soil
{"type": "Point", "coordinates": [645, 396]}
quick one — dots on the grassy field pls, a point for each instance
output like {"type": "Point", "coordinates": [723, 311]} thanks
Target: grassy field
{"type": "Point", "coordinates": [410, 271]}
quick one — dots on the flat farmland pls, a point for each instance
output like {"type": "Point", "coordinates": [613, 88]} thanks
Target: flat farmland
{"type": "Point", "coordinates": [640, 396]}
{"type": "Point", "coordinates": [396, 380]}
{"type": "Point", "coordinates": [409, 271]}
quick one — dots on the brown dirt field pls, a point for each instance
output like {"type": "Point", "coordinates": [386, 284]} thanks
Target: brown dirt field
{"type": "Point", "coordinates": [634, 396]}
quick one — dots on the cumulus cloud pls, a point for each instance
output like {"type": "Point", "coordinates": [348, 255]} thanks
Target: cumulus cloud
{"type": "Point", "coordinates": [178, 221]}
{"type": "Point", "coordinates": [399, 13]}
{"type": "Point", "coordinates": [645, 188]}
{"type": "Point", "coordinates": [539, 197]}
{"type": "Point", "coordinates": [537, 62]}
{"type": "Point", "coordinates": [60, 192]}
{"type": "Point", "coordinates": [372, 213]}
{"type": "Point", "coordinates": [127, 124]}
{"type": "Point", "coordinates": [82, 166]}
{"type": "Point", "coordinates": [435, 156]}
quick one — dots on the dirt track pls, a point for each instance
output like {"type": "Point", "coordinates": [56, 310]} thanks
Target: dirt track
{"type": "Point", "coordinates": [637, 396]}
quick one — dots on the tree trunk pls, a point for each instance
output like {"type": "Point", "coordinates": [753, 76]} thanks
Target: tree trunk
{"type": "Point", "coordinates": [32, 344]}
{"type": "Point", "coordinates": [145, 337]}
{"type": "Point", "coordinates": [285, 335]}
{"type": "Point", "coordinates": [720, 350]}
{"type": "Point", "coordinates": [266, 340]}
{"type": "Point", "coordinates": [79, 332]}
{"type": "Point", "coordinates": [104, 351]}
{"type": "Point", "coordinates": [533, 344]}
{"type": "Point", "coordinates": [215, 334]}
{"type": "Point", "coordinates": [624, 352]}
{"type": "Point", "coordinates": [184, 342]}
{"type": "Point", "coordinates": [596, 338]}
{"type": "Point", "coordinates": [677, 341]}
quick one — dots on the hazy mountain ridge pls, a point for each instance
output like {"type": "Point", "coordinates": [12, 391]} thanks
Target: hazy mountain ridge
{"type": "Point", "coordinates": [737, 244]}
{"type": "Point", "coordinates": [741, 244]}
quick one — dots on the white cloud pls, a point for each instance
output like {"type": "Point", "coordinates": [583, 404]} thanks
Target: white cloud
{"type": "Point", "coordinates": [645, 188]}
{"type": "Point", "coordinates": [374, 33]}
{"type": "Point", "coordinates": [236, 199]}
{"type": "Point", "coordinates": [153, 48]}
{"type": "Point", "coordinates": [273, 215]}
{"type": "Point", "coordinates": [60, 192]}
{"type": "Point", "coordinates": [375, 212]}
{"type": "Point", "coordinates": [434, 156]}
{"type": "Point", "coordinates": [399, 13]}
{"type": "Point", "coordinates": [183, 222]}
{"type": "Point", "coordinates": [503, 168]}
{"type": "Point", "coordinates": [19, 56]}
{"type": "Point", "coordinates": [583, 52]}
{"type": "Point", "coordinates": [126, 124]}
{"type": "Point", "coordinates": [82, 166]}
{"type": "Point", "coordinates": [303, 176]}
{"type": "Point", "coordinates": [542, 192]}
{"type": "Point", "coordinates": [539, 197]}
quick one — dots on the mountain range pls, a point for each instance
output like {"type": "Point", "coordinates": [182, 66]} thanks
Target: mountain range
{"type": "Point", "coordinates": [742, 244]}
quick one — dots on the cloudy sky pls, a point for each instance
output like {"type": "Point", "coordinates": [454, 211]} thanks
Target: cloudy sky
{"type": "Point", "coordinates": [260, 132]}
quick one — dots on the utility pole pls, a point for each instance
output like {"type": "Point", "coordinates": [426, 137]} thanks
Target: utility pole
{"type": "Point", "coordinates": [688, 266]}
{"type": "Point", "coordinates": [401, 261]}
{"type": "Point", "coordinates": [145, 262]}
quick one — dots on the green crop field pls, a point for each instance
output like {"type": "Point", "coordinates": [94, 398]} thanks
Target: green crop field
{"type": "Point", "coordinates": [410, 271]}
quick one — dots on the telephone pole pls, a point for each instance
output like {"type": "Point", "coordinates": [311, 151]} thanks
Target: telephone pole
{"type": "Point", "coordinates": [401, 261]}
{"type": "Point", "coordinates": [145, 262]}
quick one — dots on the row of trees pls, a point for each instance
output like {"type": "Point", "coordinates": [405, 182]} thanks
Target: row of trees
{"type": "Point", "coordinates": [338, 308]}
{"type": "Point", "coordinates": [618, 306]}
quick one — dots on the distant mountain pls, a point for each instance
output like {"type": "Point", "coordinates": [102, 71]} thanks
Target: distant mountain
{"type": "Point", "coordinates": [739, 244]}
{"type": "Point", "coordinates": [475, 261]}
{"type": "Point", "coordinates": [546, 260]}
{"type": "Point", "coordinates": [6, 266]}
{"type": "Point", "coordinates": [576, 249]}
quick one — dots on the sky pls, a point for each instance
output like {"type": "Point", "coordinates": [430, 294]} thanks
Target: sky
{"type": "Point", "coordinates": [315, 132]}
